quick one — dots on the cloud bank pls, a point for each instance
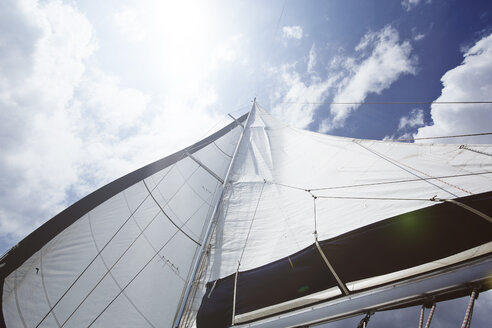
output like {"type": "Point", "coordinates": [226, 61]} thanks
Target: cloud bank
{"type": "Point", "coordinates": [381, 60]}
{"type": "Point", "coordinates": [68, 127]}
{"type": "Point", "coordinates": [410, 4]}
{"type": "Point", "coordinates": [292, 32]}
{"type": "Point", "coordinates": [471, 81]}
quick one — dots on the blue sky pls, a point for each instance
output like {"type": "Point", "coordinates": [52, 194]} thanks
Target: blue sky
{"type": "Point", "coordinates": [92, 90]}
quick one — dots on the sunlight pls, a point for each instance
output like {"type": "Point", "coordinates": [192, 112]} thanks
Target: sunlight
{"type": "Point", "coordinates": [181, 39]}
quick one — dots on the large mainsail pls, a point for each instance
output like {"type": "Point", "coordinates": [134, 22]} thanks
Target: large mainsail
{"type": "Point", "coordinates": [122, 255]}
{"type": "Point", "coordinates": [300, 219]}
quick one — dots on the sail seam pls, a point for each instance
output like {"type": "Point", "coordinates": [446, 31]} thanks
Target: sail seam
{"type": "Point", "coordinates": [17, 301]}
{"type": "Point", "coordinates": [41, 269]}
{"type": "Point", "coordinates": [92, 261]}
{"type": "Point", "coordinates": [121, 256]}
{"type": "Point", "coordinates": [189, 185]}
{"type": "Point", "coordinates": [134, 277]}
{"type": "Point", "coordinates": [220, 149]}
{"type": "Point", "coordinates": [111, 274]}
{"type": "Point", "coordinates": [174, 223]}
{"type": "Point", "coordinates": [401, 167]}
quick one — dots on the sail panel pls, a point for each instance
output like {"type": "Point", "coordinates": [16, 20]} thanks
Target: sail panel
{"type": "Point", "coordinates": [288, 184]}
{"type": "Point", "coordinates": [149, 229]}
{"type": "Point", "coordinates": [280, 169]}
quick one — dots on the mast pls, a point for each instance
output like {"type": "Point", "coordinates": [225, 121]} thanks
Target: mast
{"type": "Point", "coordinates": [208, 232]}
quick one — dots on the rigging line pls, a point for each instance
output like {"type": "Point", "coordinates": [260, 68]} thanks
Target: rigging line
{"type": "Point", "coordinates": [102, 249]}
{"type": "Point", "coordinates": [466, 207]}
{"type": "Point", "coordinates": [474, 150]}
{"type": "Point", "coordinates": [111, 268]}
{"type": "Point", "coordinates": [421, 319]}
{"type": "Point", "coordinates": [234, 296]}
{"type": "Point", "coordinates": [341, 284]}
{"type": "Point", "coordinates": [403, 168]}
{"type": "Point", "coordinates": [315, 225]}
{"type": "Point", "coordinates": [469, 310]}
{"type": "Point", "coordinates": [192, 147]}
{"type": "Point", "coordinates": [444, 137]}
{"type": "Point", "coordinates": [387, 102]}
{"type": "Point", "coordinates": [380, 198]}
{"type": "Point", "coordinates": [208, 232]}
{"type": "Point", "coordinates": [252, 220]}
{"type": "Point", "coordinates": [242, 253]}
{"type": "Point", "coordinates": [122, 290]}
{"type": "Point", "coordinates": [272, 43]}
{"type": "Point", "coordinates": [278, 22]}
{"type": "Point", "coordinates": [288, 186]}
{"type": "Point", "coordinates": [112, 275]}
{"type": "Point", "coordinates": [174, 223]}
{"type": "Point", "coordinates": [380, 183]}
{"type": "Point", "coordinates": [188, 318]}
{"type": "Point", "coordinates": [431, 313]}
{"type": "Point", "coordinates": [134, 277]}
{"type": "Point", "coordinates": [401, 181]}
{"type": "Point", "coordinates": [222, 119]}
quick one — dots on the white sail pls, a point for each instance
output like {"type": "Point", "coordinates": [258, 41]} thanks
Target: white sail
{"type": "Point", "coordinates": [126, 261]}
{"type": "Point", "coordinates": [268, 213]}
{"type": "Point", "coordinates": [298, 215]}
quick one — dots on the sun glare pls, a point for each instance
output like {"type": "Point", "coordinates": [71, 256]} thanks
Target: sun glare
{"type": "Point", "coordinates": [180, 35]}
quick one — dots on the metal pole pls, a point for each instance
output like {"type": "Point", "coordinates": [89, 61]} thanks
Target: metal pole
{"type": "Point", "coordinates": [209, 228]}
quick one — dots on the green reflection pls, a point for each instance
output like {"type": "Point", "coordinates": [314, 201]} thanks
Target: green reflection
{"type": "Point", "coordinates": [303, 289]}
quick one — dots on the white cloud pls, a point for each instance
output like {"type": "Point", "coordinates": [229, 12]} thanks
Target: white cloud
{"type": "Point", "coordinates": [383, 58]}
{"type": "Point", "coordinates": [38, 148]}
{"type": "Point", "coordinates": [230, 51]}
{"type": "Point", "coordinates": [312, 59]}
{"type": "Point", "coordinates": [408, 124]}
{"type": "Point", "coordinates": [416, 36]}
{"type": "Point", "coordinates": [414, 119]}
{"type": "Point", "coordinates": [471, 81]}
{"type": "Point", "coordinates": [127, 21]}
{"type": "Point", "coordinates": [67, 126]}
{"type": "Point", "coordinates": [292, 94]}
{"type": "Point", "coordinates": [292, 32]}
{"type": "Point", "coordinates": [410, 4]}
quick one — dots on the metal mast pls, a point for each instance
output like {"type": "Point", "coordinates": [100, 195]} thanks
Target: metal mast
{"type": "Point", "coordinates": [212, 219]}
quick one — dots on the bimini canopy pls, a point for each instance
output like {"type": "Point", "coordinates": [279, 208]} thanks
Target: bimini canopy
{"type": "Point", "coordinates": [256, 220]}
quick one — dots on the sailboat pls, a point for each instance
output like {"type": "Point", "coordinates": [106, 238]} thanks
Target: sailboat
{"type": "Point", "coordinates": [261, 225]}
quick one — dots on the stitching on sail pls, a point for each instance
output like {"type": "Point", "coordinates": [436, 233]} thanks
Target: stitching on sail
{"type": "Point", "coordinates": [44, 285]}
{"type": "Point", "coordinates": [17, 300]}
{"type": "Point", "coordinates": [112, 276]}
{"type": "Point", "coordinates": [401, 167]}
{"type": "Point", "coordinates": [92, 261]}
